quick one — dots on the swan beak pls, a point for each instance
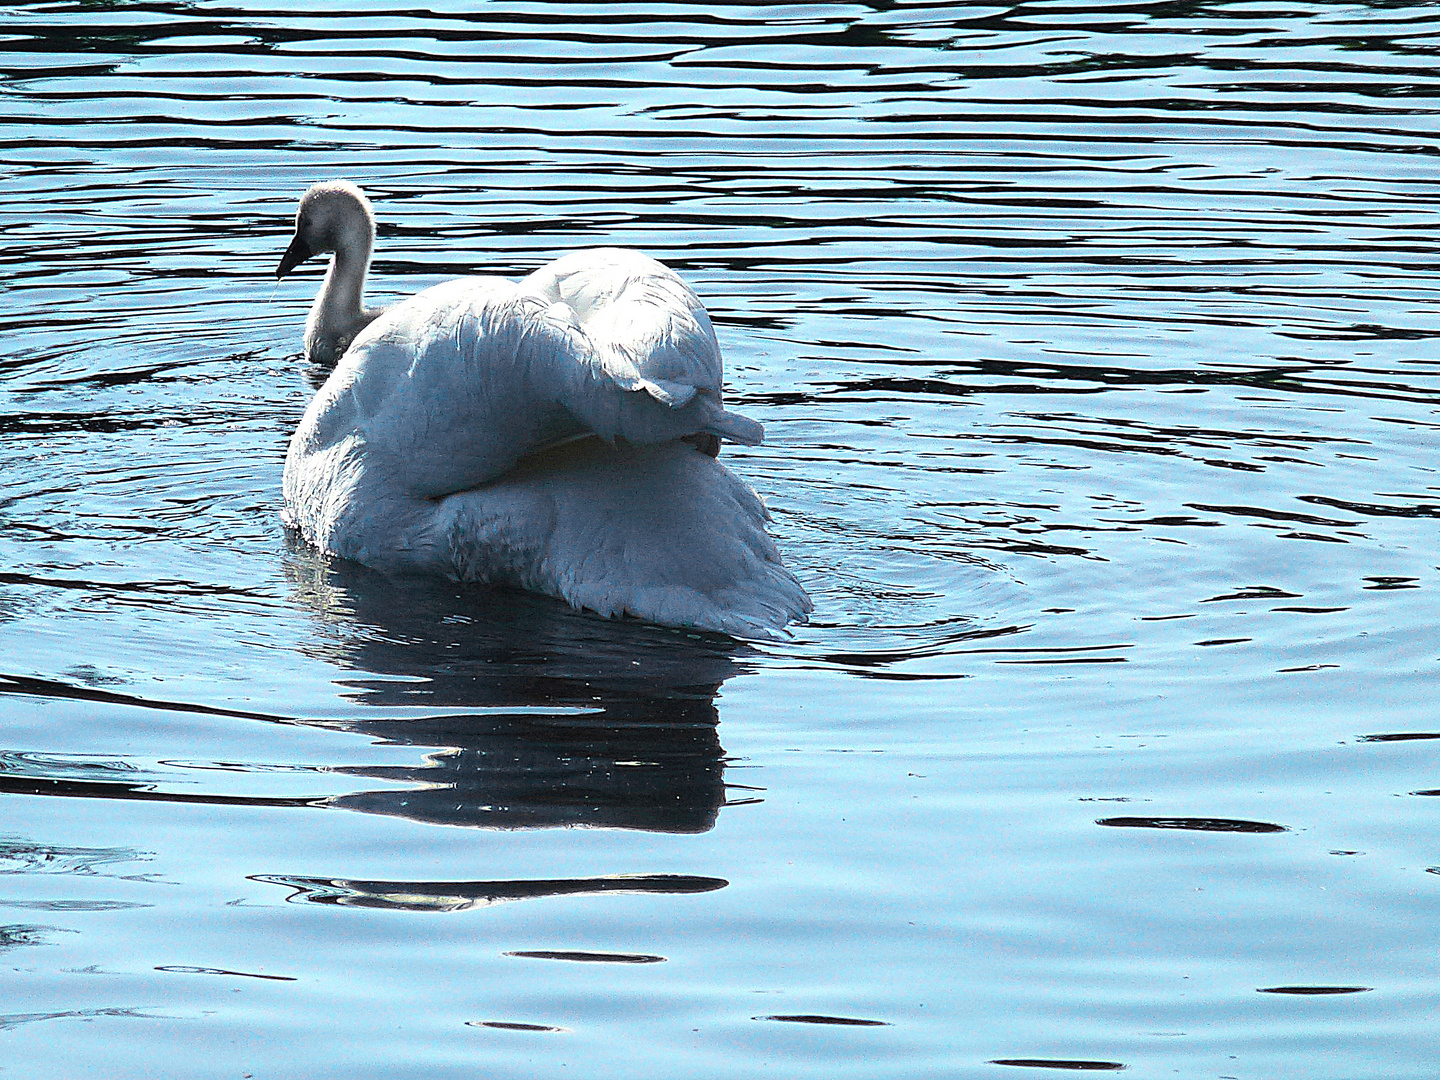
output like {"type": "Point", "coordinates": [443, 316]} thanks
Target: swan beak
{"type": "Point", "coordinates": [295, 254]}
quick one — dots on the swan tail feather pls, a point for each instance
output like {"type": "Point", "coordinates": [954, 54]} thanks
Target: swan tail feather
{"type": "Point", "coordinates": [676, 395]}
{"type": "Point", "coordinates": [732, 427]}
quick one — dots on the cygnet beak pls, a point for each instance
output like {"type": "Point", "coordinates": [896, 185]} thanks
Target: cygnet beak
{"type": "Point", "coordinates": [295, 254]}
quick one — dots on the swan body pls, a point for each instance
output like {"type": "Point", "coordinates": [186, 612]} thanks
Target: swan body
{"type": "Point", "coordinates": [557, 434]}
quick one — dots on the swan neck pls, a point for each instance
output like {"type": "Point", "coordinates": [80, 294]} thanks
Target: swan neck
{"type": "Point", "coordinates": [339, 311]}
{"type": "Point", "coordinates": [342, 297]}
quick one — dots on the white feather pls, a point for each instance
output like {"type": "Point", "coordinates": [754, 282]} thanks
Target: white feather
{"type": "Point", "coordinates": [531, 434]}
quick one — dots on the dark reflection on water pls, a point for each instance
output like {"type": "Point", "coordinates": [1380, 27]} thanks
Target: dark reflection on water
{"type": "Point", "coordinates": [185, 969]}
{"type": "Point", "coordinates": [587, 721]}
{"type": "Point", "coordinates": [816, 1018]}
{"type": "Point", "coordinates": [25, 857]}
{"type": "Point", "coordinates": [442, 645]}
{"type": "Point", "coordinates": [20, 934]}
{"type": "Point", "coordinates": [1078, 1065]}
{"type": "Point", "coordinates": [582, 957]}
{"type": "Point", "coordinates": [512, 1025]}
{"type": "Point", "coordinates": [579, 721]}
{"type": "Point", "coordinates": [140, 792]}
{"type": "Point", "coordinates": [465, 895]}
{"type": "Point", "coordinates": [73, 905]}
{"type": "Point", "coordinates": [522, 772]}
{"type": "Point", "coordinates": [51, 688]}
{"type": "Point", "coordinates": [1194, 824]}
{"type": "Point", "coordinates": [14, 1020]}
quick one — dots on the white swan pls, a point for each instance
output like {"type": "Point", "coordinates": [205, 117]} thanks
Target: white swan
{"type": "Point", "coordinates": [556, 434]}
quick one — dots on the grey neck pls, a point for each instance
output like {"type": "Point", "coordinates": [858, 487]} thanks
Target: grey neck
{"type": "Point", "coordinates": [339, 311]}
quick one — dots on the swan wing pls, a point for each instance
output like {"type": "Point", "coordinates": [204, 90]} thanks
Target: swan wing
{"type": "Point", "coordinates": [437, 389]}
{"type": "Point", "coordinates": [638, 327]}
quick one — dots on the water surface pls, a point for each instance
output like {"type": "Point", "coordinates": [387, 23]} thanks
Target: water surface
{"type": "Point", "coordinates": [1096, 352]}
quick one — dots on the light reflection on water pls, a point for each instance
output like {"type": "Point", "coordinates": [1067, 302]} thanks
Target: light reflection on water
{"type": "Point", "coordinates": [1095, 349]}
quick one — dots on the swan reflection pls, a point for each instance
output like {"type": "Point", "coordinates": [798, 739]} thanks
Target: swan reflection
{"type": "Point", "coordinates": [543, 716]}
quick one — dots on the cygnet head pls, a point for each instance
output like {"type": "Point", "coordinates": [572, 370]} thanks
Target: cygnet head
{"type": "Point", "coordinates": [334, 216]}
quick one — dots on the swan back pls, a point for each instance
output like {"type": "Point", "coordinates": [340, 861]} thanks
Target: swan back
{"type": "Point", "coordinates": [448, 390]}
{"type": "Point", "coordinates": [453, 387]}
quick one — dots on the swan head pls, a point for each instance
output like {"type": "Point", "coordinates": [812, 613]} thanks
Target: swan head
{"type": "Point", "coordinates": [334, 216]}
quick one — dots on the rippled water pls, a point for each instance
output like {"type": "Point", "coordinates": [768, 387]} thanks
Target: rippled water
{"type": "Point", "coordinates": [1096, 350]}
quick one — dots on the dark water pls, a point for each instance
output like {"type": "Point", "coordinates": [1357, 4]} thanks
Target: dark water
{"type": "Point", "coordinates": [1096, 347]}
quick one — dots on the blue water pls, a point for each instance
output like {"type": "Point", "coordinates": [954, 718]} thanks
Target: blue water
{"type": "Point", "coordinates": [1096, 349]}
